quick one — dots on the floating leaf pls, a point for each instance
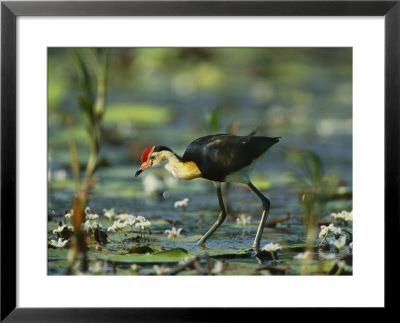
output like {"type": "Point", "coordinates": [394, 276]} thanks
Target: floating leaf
{"type": "Point", "coordinates": [141, 249]}
{"type": "Point", "coordinates": [172, 255]}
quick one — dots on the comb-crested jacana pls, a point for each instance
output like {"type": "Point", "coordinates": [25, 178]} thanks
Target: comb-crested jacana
{"type": "Point", "coordinates": [218, 158]}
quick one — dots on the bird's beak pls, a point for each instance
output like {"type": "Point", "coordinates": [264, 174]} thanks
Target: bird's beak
{"type": "Point", "coordinates": [144, 166]}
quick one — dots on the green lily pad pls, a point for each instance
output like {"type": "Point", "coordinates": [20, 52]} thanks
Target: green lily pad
{"type": "Point", "coordinates": [192, 238]}
{"type": "Point", "coordinates": [57, 254]}
{"type": "Point", "coordinates": [314, 266]}
{"type": "Point", "coordinates": [224, 253]}
{"type": "Point", "coordinates": [172, 255]}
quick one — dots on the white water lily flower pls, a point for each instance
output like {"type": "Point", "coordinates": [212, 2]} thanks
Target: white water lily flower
{"type": "Point", "coordinates": [123, 216]}
{"type": "Point", "coordinates": [344, 215]}
{"type": "Point", "coordinates": [160, 270]}
{"type": "Point", "coordinates": [218, 267]}
{"type": "Point", "coordinates": [60, 243]}
{"type": "Point", "coordinates": [109, 214]}
{"type": "Point", "coordinates": [132, 220]}
{"type": "Point", "coordinates": [90, 216]}
{"type": "Point", "coordinates": [342, 265]}
{"type": "Point", "coordinates": [96, 268]}
{"type": "Point", "coordinates": [87, 226]}
{"type": "Point", "coordinates": [324, 231]}
{"type": "Point", "coordinates": [182, 203]}
{"type": "Point", "coordinates": [60, 175]}
{"type": "Point", "coordinates": [118, 226]}
{"type": "Point", "coordinates": [143, 224]}
{"type": "Point", "coordinates": [244, 219]}
{"type": "Point", "coordinates": [303, 255]}
{"type": "Point", "coordinates": [69, 214]}
{"type": "Point", "coordinates": [173, 233]}
{"type": "Point", "coordinates": [271, 247]}
{"type": "Point", "coordinates": [128, 218]}
{"type": "Point", "coordinates": [140, 218]}
{"type": "Point", "coordinates": [152, 184]}
{"type": "Point", "coordinates": [185, 260]}
{"type": "Point", "coordinates": [60, 229]}
{"type": "Point", "coordinates": [337, 231]}
{"type": "Point", "coordinates": [349, 216]}
{"type": "Point", "coordinates": [339, 243]}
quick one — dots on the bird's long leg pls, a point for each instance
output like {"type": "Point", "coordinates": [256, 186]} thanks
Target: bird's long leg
{"type": "Point", "coordinates": [221, 217]}
{"type": "Point", "coordinates": [266, 204]}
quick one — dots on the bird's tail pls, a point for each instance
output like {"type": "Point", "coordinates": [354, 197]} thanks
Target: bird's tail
{"type": "Point", "coordinates": [253, 132]}
{"type": "Point", "coordinates": [260, 144]}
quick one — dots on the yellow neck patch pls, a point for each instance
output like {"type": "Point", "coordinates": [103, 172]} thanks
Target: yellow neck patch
{"type": "Point", "coordinates": [179, 169]}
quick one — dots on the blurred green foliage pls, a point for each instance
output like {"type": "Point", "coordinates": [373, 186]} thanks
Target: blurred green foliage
{"type": "Point", "coordinates": [310, 174]}
{"type": "Point", "coordinates": [92, 67]}
{"type": "Point", "coordinates": [142, 113]}
{"type": "Point", "coordinates": [212, 121]}
{"type": "Point", "coordinates": [286, 88]}
{"type": "Point", "coordinates": [315, 187]}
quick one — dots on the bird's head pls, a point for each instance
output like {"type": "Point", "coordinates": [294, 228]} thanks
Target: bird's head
{"type": "Point", "coordinates": [153, 157]}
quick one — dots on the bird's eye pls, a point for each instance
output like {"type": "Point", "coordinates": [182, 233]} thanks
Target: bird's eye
{"type": "Point", "coordinates": [153, 157]}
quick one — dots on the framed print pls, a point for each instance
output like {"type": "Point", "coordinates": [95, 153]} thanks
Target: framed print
{"type": "Point", "coordinates": [184, 154]}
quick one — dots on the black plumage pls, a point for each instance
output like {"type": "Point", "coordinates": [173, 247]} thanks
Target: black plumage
{"type": "Point", "coordinates": [218, 156]}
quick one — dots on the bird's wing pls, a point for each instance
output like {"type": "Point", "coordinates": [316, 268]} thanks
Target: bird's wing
{"type": "Point", "coordinates": [229, 154]}
{"type": "Point", "coordinates": [220, 155]}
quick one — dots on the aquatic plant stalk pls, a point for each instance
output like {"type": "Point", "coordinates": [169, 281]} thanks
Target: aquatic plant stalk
{"type": "Point", "coordinates": [315, 188]}
{"type": "Point", "coordinates": [74, 153]}
{"type": "Point", "coordinates": [122, 242]}
{"type": "Point", "coordinates": [148, 235]}
{"type": "Point", "coordinates": [78, 242]}
{"type": "Point", "coordinates": [92, 107]}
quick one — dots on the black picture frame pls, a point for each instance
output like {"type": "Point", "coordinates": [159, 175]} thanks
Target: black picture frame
{"type": "Point", "coordinates": [11, 10]}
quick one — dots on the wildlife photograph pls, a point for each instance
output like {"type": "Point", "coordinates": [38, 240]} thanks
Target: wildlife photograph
{"type": "Point", "coordinates": [200, 161]}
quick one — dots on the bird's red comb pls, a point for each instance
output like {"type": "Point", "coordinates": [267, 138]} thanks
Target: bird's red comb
{"type": "Point", "coordinates": [146, 153]}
